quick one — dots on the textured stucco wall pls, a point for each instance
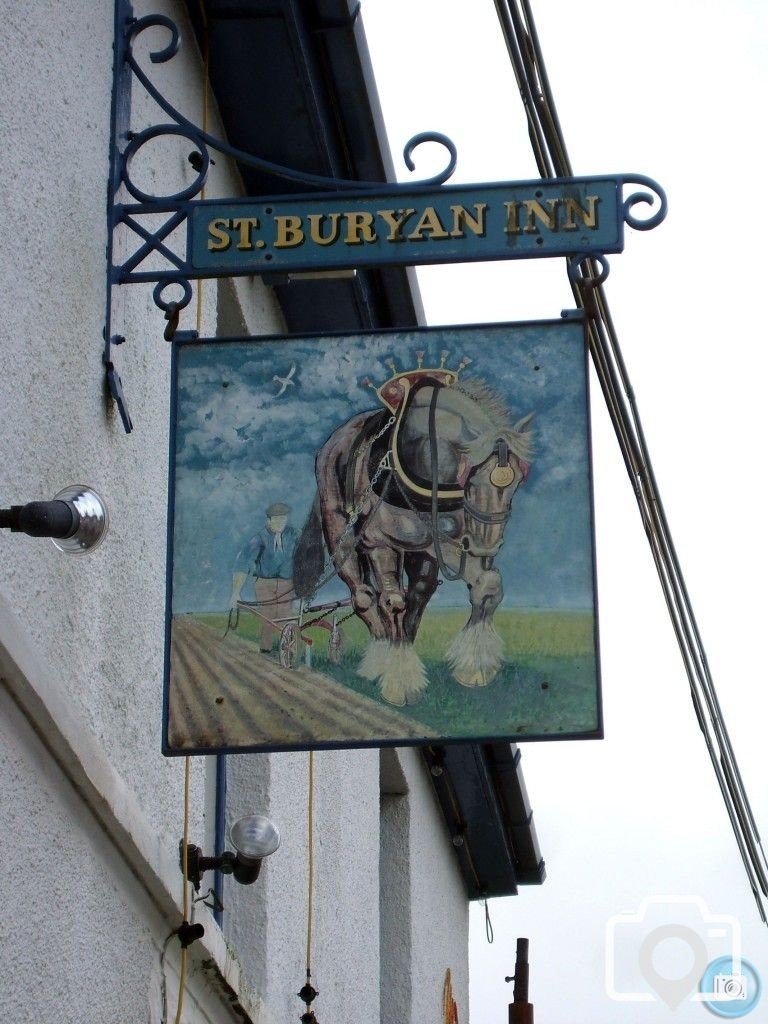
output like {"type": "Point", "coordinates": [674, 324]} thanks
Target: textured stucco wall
{"type": "Point", "coordinates": [89, 924]}
{"type": "Point", "coordinates": [269, 925]}
{"type": "Point", "coordinates": [390, 911]}
{"type": "Point", "coordinates": [96, 620]}
{"type": "Point", "coordinates": [439, 908]}
{"type": "Point", "coordinates": [82, 939]}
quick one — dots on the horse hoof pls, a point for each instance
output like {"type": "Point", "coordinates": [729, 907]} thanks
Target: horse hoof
{"type": "Point", "coordinates": [474, 677]}
{"type": "Point", "coordinates": [393, 702]}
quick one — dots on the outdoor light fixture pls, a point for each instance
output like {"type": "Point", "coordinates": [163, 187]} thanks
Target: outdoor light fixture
{"type": "Point", "coordinates": [76, 520]}
{"type": "Point", "coordinates": [253, 836]}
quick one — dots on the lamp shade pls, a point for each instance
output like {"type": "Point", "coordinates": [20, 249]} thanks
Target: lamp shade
{"type": "Point", "coordinates": [92, 517]}
{"type": "Point", "coordinates": [254, 837]}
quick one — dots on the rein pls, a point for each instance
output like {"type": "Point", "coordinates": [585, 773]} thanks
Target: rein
{"type": "Point", "coordinates": [487, 518]}
{"type": "Point", "coordinates": [448, 574]}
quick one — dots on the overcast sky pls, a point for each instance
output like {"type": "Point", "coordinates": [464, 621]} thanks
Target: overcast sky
{"type": "Point", "coordinates": [676, 90]}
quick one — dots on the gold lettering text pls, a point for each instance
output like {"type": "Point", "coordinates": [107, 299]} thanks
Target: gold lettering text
{"type": "Point", "coordinates": [513, 224]}
{"type": "Point", "coordinates": [244, 225]}
{"type": "Point", "coordinates": [463, 218]}
{"type": "Point", "coordinates": [217, 230]}
{"type": "Point", "coordinates": [428, 222]}
{"type": "Point", "coordinates": [547, 217]}
{"type": "Point", "coordinates": [288, 232]}
{"type": "Point", "coordinates": [359, 228]}
{"type": "Point", "coordinates": [574, 211]}
{"type": "Point", "coordinates": [395, 219]}
{"type": "Point", "coordinates": [316, 228]}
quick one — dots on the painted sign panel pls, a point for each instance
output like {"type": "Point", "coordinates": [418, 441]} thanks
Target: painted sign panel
{"type": "Point", "coordinates": [381, 538]}
{"type": "Point", "coordinates": [510, 220]}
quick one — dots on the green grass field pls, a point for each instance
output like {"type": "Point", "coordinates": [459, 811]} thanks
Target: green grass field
{"type": "Point", "coordinates": [547, 685]}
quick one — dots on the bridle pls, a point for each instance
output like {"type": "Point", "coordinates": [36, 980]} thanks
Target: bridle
{"type": "Point", "coordinates": [504, 476]}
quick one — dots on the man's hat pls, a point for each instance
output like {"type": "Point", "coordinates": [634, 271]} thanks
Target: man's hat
{"type": "Point", "coordinates": [279, 508]}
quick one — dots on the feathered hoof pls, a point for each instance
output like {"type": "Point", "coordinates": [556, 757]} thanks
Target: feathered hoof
{"type": "Point", "coordinates": [475, 655]}
{"type": "Point", "coordinates": [475, 677]}
{"type": "Point", "coordinates": [398, 671]}
{"type": "Point", "coordinates": [374, 660]}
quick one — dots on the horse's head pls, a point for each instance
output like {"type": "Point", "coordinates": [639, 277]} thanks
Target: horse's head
{"type": "Point", "coordinates": [490, 484]}
{"type": "Point", "coordinates": [459, 446]}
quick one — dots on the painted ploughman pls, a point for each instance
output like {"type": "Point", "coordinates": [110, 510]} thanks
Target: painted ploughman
{"type": "Point", "coordinates": [421, 487]}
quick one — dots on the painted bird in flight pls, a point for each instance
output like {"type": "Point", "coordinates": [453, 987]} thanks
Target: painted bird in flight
{"type": "Point", "coordinates": [285, 381]}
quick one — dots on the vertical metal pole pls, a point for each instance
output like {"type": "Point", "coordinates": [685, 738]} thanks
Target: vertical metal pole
{"type": "Point", "coordinates": [220, 825]}
{"type": "Point", "coordinates": [520, 1010]}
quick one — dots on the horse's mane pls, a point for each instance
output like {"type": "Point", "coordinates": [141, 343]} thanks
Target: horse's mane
{"type": "Point", "coordinates": [493, 405]}
{"type": "Point", "coordinates": [491, 401]}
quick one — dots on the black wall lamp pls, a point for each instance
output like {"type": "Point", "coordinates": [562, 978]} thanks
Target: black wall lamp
{"type": "Point", "coordinates": [76, 519]}
{"type": "Point", "coordinates": [253, 836]}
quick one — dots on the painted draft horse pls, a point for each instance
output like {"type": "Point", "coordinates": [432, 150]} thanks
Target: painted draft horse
{"type": "Point", "coordinates": [404, 493]}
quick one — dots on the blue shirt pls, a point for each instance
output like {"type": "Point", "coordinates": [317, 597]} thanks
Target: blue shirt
{"type": "Point", "coordinates": [261, 558]}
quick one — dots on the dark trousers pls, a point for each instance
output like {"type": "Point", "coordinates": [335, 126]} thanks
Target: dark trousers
{"type": "Point", "coordinates": [273, 597]}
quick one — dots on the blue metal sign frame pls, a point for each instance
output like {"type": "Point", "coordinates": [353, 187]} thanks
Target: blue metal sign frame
{"type": "Point", "coordinates": [253, 420]}
{"type": "Point", "coordinates": [452, 224]}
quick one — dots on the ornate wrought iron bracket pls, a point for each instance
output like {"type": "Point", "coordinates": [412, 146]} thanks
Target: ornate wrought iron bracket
{"type": "Point", "coordinates": [135, 209]}
{"type": "Point", "coordinates": [170, 237]}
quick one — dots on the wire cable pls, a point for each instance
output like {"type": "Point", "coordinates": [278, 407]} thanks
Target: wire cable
{"type": "Point", "coordinates": [516, 19]}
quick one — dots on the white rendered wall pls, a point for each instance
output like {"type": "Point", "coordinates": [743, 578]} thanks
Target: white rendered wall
{"type": "Point", "coordinates": [81, 638]}
{"type": "Point", "coordinates": [94, 622]}
{"type": "Point", "coordinates": [439, 909]}
{"type": "Point", "coordinates": [82, 937]}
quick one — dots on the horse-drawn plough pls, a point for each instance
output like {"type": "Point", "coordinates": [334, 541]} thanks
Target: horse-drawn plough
{"type": "Point", "coordinates": [293, 629]}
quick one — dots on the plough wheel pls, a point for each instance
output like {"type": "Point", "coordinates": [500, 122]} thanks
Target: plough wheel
{"type": "Point", "coordinates": [334, 645]}
{"type": "Point", "coordinates": [289, 645]}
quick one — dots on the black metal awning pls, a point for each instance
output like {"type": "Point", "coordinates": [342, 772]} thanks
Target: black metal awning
{"type": "Point", "coordinates": [483, 798]}
{"type": "Point", "coordinates": [294, 85]}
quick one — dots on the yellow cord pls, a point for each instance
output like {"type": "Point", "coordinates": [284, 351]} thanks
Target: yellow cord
{"type": "Point", "coordinates": [310, 856]}
{"type": "Point", "coordinates": [185, 891]}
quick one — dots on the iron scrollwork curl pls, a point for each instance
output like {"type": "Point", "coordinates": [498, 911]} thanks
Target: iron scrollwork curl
{"type": "Point", "coordinates": [581, 269]}
{"type": "Point", "coordinates": [655, 197]}
{"type": "Point", "coordinates": [203, 139]}
{"type": "Point", "coordinates": [155, 132]}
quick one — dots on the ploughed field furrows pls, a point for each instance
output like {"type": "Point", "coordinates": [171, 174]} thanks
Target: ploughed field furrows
{"type": "Point", "coordinates": [225, 693]}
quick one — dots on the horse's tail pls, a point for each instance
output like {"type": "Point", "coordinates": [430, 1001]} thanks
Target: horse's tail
{"type": "Point", "coordinates": [309, 557]}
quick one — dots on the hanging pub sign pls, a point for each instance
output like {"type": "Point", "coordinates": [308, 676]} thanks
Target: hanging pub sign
{"type": "Point", "coordinates": [381, 538]}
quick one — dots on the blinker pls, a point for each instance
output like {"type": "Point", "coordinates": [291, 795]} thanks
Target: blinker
{"type": "Point", "coordinates": [503, 474]}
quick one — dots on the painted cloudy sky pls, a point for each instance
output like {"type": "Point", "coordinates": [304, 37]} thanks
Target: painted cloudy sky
{"type": "Point", "coordinates": [240, 447]}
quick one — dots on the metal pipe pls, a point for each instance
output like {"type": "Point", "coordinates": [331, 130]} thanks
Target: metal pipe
{"type": "Point", "coordinates": [520, 1010]}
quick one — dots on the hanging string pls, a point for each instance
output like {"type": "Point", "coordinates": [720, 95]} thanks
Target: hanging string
{"type": "Point", "coordinates": [185, 892]}
{"type": "Point", "coordinates": [310, 857]}
{"type": "Point", "coordinates": [488, 925]}
{"type": "Point", "coordinates": [307, 992]}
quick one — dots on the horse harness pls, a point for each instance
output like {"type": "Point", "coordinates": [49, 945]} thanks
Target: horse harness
{"type": "Point", "coordinates": [369, 438]}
